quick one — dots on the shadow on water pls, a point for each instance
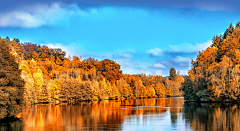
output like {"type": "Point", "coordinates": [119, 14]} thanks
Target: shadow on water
{"type": "Point", "coordinates": [11, 124]}
{"type": "Point", "coordinates": [212, 116]}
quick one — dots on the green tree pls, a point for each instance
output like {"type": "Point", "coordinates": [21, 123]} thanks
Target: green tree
{"type": "Point", "coordinates": [189, 92]}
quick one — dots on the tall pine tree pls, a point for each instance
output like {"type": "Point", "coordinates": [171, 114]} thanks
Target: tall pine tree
{"type": "Point", "coordinates": [172, 74]}
{"type": "Point", "coordinates": [228, 31]}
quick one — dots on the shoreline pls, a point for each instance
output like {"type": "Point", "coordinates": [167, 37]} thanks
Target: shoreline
{"type": "Point", "coordinates": [122, 98]}
{"type": "Point", "coordinates": [235, 102]}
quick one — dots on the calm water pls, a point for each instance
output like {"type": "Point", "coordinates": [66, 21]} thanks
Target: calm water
{"type": "Point", "coordinates": [150, 114]}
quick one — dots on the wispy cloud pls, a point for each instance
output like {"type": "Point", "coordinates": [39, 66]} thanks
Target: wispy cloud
{"type": "Point", "coordinates": [167, 63]}
{"type": "Point", "coordinates": [69, 49]}
{"type": "Point", "coordinates": [72, 49]}
{"type": "Point", "coordinates": [28, 19]}
{"type": "Point", "coordinates": [180, 59]}
{"type": "Point", "coordinates": [40, 14]}
{"type": "Point", "coordinates": [155, 52]}
{"type": "Point", "coordinates": [189, 48]}
{"type": "Point", "coordinates": [183, 72]}
{"type": "Point", "coordinates": [122, 54]}
{"type": "Point", "coordinates": [159, 65]}
{"type": "Point", "coordinates": [212, 5]}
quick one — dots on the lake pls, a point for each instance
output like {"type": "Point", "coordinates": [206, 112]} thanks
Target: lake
{"type": "Point", "coordinates": [155, 114]}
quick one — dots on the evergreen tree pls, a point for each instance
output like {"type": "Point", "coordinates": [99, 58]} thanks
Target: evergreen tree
{"type": "Point", "coordinates": [187, 87]}
{"type": "Point", "coordinates": [238, 25]}
{"type": "Point", "coordinates": [172, 74]}
{"type": "Point", "coordinates": [11, 83]}
{"type": "Point", "coordinates": [228, 32]}
{"type": "Point", "coordinates": [216, 41]}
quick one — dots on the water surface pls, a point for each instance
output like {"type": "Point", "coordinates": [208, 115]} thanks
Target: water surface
{"type": "Point", "coordinates": [142, 114]}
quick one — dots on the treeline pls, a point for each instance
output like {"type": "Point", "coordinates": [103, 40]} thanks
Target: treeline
{"type": "Point", "coordinates": [214, 75]}
{"type": "Point", "coordinates": [51, 77]}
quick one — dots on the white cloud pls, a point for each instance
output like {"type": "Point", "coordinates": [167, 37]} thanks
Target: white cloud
{"type": "Point", "coordinates": [159, 65]}
{"type": "Point", "coordinates": [158, 72]}
{"type": "Point", "coordinates": [189, 48]}
{"type": "Point", "coordinates": [155, 52]}
{"type": "Point", "coordinates": [20, 19]}
{"type": "Point", "coordinates": [183, 72]}
{"type": "Point", "coordinates": [76, 49]}
{"type": "Point", "coordinates": [180, 59]}
{"type": "Point", "coordinates": [29, 18]}
{"type": "Point", "coordinates": [38, 15]}
{"type": "Point", "coordinates": [167, 63]}
{"type": "Point", "coordinates": [69, 49]}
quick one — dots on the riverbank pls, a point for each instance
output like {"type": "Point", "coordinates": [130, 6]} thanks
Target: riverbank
{"type": "Point", "coordinates": [222, 101]}
{"type": "Point", "coordinates": [121, 98]}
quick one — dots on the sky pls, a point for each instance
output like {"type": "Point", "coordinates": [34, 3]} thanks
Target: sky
{"type": "Point", "coordinates": [143, 36]}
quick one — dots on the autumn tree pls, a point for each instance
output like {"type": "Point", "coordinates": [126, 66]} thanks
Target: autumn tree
{"type": "Point", "coordinates": [214, 73]}
{"type": "Point", "coordinates": [109, 69]}
{"type": "Point", "coordinates": [51, 77]}
{"type": "Point", "coordinates": [11, 83]}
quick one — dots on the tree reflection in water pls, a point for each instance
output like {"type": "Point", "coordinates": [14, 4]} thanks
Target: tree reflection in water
{"type": "Point", "coordinates": [11, 125]}
{"type": "Point", "coordinates": [103, 115]}
{"type": "Point", "coordinates": [140, 114]}
{"type": "Point", "coordinates": [213, 117]}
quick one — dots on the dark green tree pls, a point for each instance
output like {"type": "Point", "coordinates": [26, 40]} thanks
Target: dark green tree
{"type": "Point", "coordinates": [238, 25]}
{"type": "Point", "coordinates": [228, 31]}
{"type": "Point", "coordinates": [187, 88]}
{"type": "Point", "coordinates": [11, 83]}
{"type": "Point", "coordinates": [216, 41]}
{"type": "Point", "coordinates": [172, 74]}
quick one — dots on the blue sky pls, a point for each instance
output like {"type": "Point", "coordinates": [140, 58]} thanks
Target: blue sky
{"type": "Point", "coordinates": [144, 36]}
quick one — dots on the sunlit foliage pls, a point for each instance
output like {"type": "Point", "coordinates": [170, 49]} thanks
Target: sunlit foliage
{"type": "Point", "coordinates": [51, 77]}
{"type": "Point", "coordinates": [214, 73]}
{"type": "Point", "coordinates": [11, 83]}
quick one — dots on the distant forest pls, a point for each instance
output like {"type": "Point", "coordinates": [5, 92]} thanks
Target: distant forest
{"type": "Point", "coordinates": [214, 75]}
{"type": "Point", "coordinates": [31, 74]}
